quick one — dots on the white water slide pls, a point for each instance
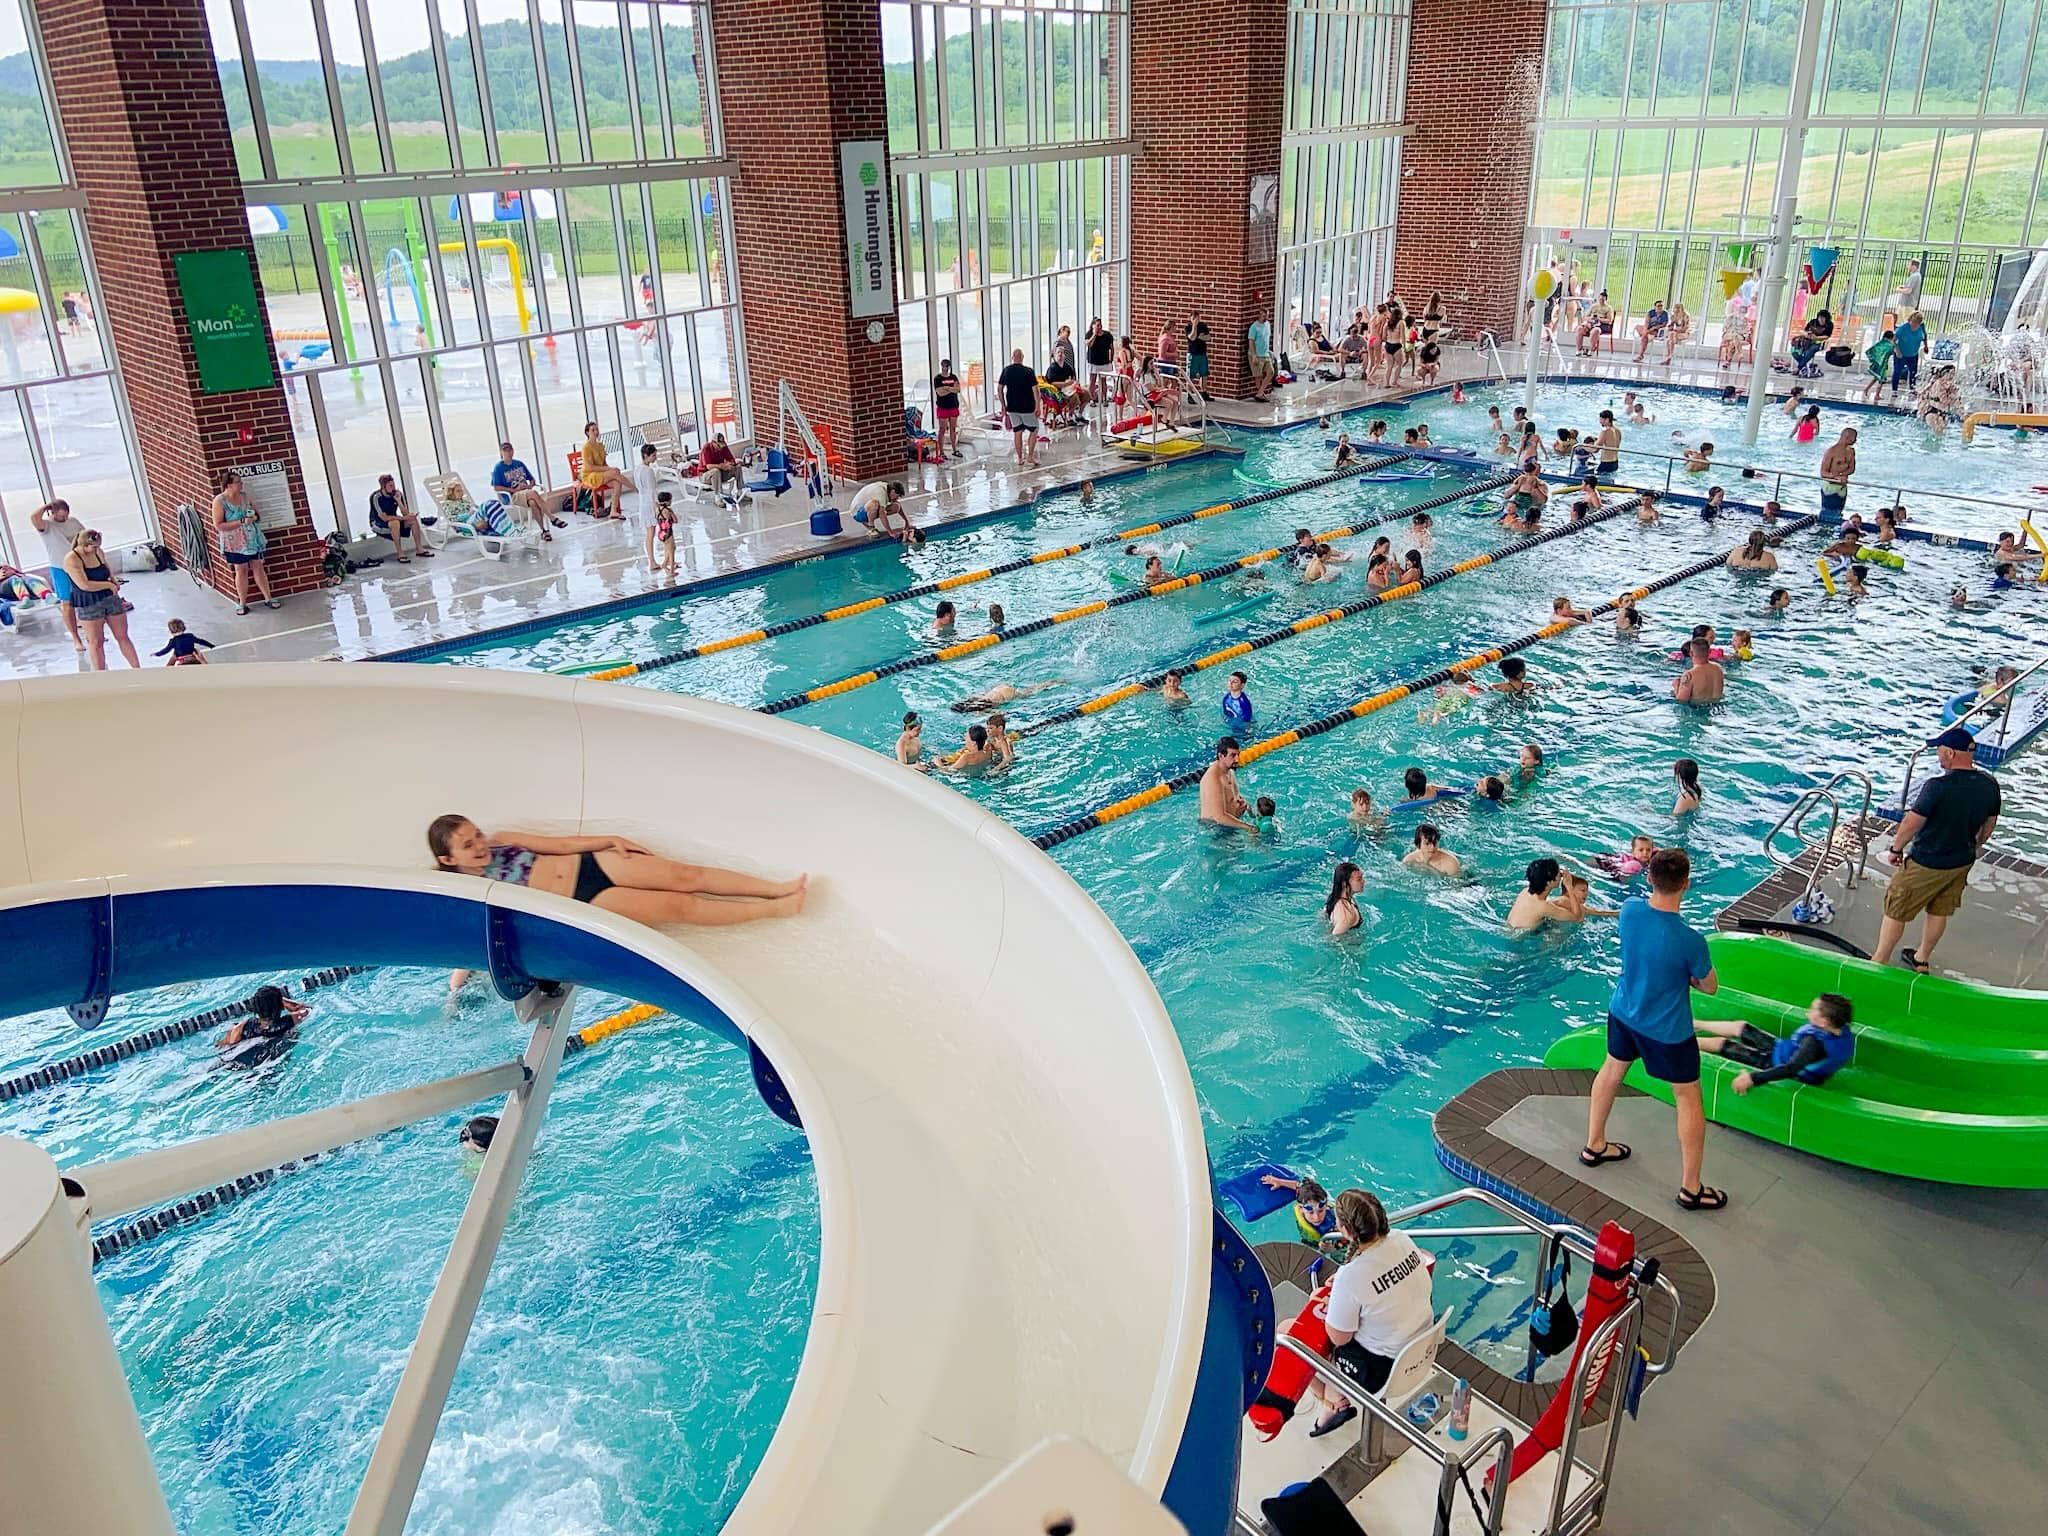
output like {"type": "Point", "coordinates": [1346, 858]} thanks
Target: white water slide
{"type": "Point", "coordinates": [1014, 1204]}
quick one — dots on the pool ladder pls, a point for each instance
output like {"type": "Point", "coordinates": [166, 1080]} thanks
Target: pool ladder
{"type": "Point", "coordinates": [1794, 820]}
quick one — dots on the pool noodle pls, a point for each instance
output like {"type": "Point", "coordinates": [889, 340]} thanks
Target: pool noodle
{"type": "Point", "coordinates": [1204, 620]}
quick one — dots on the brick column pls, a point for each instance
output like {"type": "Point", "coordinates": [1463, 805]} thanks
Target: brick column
{"type": "Point", "coordinates": [1468, 158]}
{"type": "Point", "coordinates": [796, 79]}
{"type": "Point", "coordinates": [135, 85]}
{"type": "Point", "coordinates": [1208, 96]}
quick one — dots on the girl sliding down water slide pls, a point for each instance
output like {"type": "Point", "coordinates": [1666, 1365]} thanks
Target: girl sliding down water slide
{"type": "Point", "coordinates": [615, 874]}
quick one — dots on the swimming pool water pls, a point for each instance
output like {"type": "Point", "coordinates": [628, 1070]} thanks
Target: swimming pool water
{"type": "Point", "coordinates": [617, 1319]}
{"type": "Point", "coordinates": [1895, 453]}
{"type": "Point", "coordinates": [638, 1336]}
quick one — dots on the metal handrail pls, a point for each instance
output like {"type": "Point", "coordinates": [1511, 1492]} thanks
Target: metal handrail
{"type": "Point", "coordinates": [1575, 1238]}
{"type": "Point", "coordinates": [2005, 698]}
{"type": "Point", "coordinates": [1796, 815]}
{"type": "Point", "coordinates": [1486, 342]}
{"type": "Point", "coordinates": [1383, 1413]}
{"type": "Point", "coordinates": [1629, 1320]}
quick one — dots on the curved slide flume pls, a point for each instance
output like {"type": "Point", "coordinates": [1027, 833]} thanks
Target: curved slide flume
{"type": "Point", "coordinates": [998, 1109]}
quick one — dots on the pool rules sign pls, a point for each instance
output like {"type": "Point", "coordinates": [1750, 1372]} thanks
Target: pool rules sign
{"type": "Point", "coordinates": [864, 188]}
{"type": "Point", "coordinates": [224, 321]}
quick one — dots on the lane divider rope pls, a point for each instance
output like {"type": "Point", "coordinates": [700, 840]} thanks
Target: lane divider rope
{"type": "Point", "coordinates": [206, 1201]}
{"type": "Point", "coordinates": [1185, 583]}
{"type": "Point", "coordinates": [26, 1083]}
{"type": "Point", "coordinates": [1315, 621]}
{"type": "Point", "coordinates": [1372, 704]}
{"type": "Point", "coordinates": [968, 578]}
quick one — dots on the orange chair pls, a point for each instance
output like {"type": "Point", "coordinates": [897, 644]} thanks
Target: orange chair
{"type": "Point", "coordinates": [834, 461]}
{"type": "Point", "coordinates": [974, 380]}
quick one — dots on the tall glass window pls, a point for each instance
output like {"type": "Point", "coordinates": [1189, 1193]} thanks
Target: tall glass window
{"type": "Point", "coordinates": [1009, 145]}
{"type": "Point", "coordinates": [1340, 158]}
{"type": "Point", "coordinates": [483, 220]}
{"type": "Point", "coordinates": [64, 429]}
{"type": "Point", "coordinates": [1662, 126]}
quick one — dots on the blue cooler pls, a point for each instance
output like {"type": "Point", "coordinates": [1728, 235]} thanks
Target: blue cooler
{"type": "Point", "coordinates": [825, 523]}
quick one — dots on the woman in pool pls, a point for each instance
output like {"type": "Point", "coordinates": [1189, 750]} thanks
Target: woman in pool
{"type": "Point", "coordinates": [1755, 554]}
{"type": "Point", "coordinates": [1340, 907]}
{"type": "Point", "coordinates": [615, 874]}
{"type": "Point", "coordinates": [1690, 794]}
{"type": "Point", "coordinates": [1345, 457]}
{"type": "Point", "coordinates": [1780, 601]}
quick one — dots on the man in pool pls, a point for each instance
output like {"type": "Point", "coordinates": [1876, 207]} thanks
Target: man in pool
{"type": "Point", "coordinates": [944, 619]}
{"type": "Point", "coordinates": [266, 1032]}
{"type": "Point", "coordinates": [1837, 466]}
{"type": "Point", "coordinates": [1704, 681]}
{"type": "Point", "coordinates": [1221, 804]}
{"type": "Point", "coordinates": [1649, 1020]}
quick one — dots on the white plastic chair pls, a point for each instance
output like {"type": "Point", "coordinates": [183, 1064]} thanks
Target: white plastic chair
{"type": "Point", "coordinates": [1415, 1364]}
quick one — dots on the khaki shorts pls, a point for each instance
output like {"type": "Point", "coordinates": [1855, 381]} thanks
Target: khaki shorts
{"type": "Point", "coordinates": [1916, 889]}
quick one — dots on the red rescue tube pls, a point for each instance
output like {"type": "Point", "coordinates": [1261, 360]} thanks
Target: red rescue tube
{"type": "Point", "coordinates": [1614, 1257]}
{"type": "Point", "coordinates": [1290, 1374]}
{"type": "Point", "coordinates": [1142, 419]}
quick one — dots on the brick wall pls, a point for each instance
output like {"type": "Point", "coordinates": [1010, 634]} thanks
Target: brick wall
{"type": "Point", "coordinates": [134, 83]}
{"type": "Point", "coordinates": [1208, 93]}
{"type": "Point", "coordinates": [796, 78]}
{"type": "Point", "coordinates": [1473, 91]}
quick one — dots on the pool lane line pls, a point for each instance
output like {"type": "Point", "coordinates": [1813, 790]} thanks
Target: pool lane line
{"type": "Point", "coordinates": [183, 1212]}
{"type": "Point", "coordinates": [968, 578]}
{"type": "Point", "coordinates": [955, 652]}
{"type": "Point", "coordinates": [1315, 621]}
{"type": "Point", "coordinates": [1372, 704]}
{"type": "Point", "coordinates": [23, 1084]}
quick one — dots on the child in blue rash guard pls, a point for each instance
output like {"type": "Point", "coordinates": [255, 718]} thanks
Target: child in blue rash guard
{"type": "Point", "coordinates": [1236, 703]}
{"type": "Point", "coordinates": [1812, 1053]}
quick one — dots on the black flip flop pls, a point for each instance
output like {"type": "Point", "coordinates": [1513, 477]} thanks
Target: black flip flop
{"type": "Point", "coordinates": [1613, 1152]}
{"type": "Point", "coordinates": [1705, 1198]}
{"type": "Point", "coordinates": [1336, 1422]}
{"type": "Point", "coordinates": [1910, 959]}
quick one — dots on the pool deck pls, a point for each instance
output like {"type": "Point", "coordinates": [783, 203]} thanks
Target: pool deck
{"type": "Point", "coordinates": [460, 593]}
{"type": "Point", "coordinates": [1877, 1360]}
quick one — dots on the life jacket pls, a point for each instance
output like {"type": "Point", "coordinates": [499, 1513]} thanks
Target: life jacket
{"type": "Point", "coordinates": [1311, 1232]}
{"type": "Point", "coordinates": [1839, 1049]}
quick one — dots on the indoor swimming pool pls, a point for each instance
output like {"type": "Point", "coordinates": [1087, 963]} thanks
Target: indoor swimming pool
{"type": "Point", "coordinates": [642, 1328]}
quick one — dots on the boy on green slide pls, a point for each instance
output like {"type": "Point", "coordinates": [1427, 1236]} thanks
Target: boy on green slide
{"type": "Point", "coordinates": [1812, 1053]}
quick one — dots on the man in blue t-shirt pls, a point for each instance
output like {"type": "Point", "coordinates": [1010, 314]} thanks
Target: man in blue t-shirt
{"type": "Point", "coordinates": [1650, 1020]}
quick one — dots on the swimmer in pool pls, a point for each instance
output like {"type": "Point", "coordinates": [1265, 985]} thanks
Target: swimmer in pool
{"type": "Point", "coordinates": [1646, 511]}
{"type": "Point", "coordinates": [1852, 581]}
{"type": "Point", "coordinates": [1003, 739]}
{"type": "Point", "coordinates": [1528, 767]}
{"type": "Point", "coordinates": [1743, 645]}
{"type": "Point", "coordinates": [1699, 460]}
{"type": "Point", "coordinates": [1491, 787]}
{"type": "Point", "coordinates": [996, 620]}
{"type": "Point", "coordinates": [1155, 570]}
{"type": "Point", "coordinates": [1420, 790]}
{"type": "Point", "coordinates": [2003, 576]}
{"type": "Point", "coordinates": [1379, 573]}
{"type": "Point", "coordinates": [1999, 688]}
{"type": "Point", "coordinates": [944, 618]}
{"type": "Point", "coordinates": [2009, 548]}
{"type": "Point", "coordinates": [273, 1016]}
{"type": "Point", "coordinates": [1578, 890]}
{"type": "Point", "coordinates": [976, 756]}
{"type": "Point", "coordinates": [614, 873]}
{"type": "Point", "coordinates": [1421, 531]}
{"type": "Point", "coordinates": [1430, 854]}
{"type": "Point", "coordinates": [1317, 567]}
{"type": "Point", "coordinates": [1362, 815]}
{"type": "Point", "coordinates": [1087, 493]}
{"type": "Point", "coordinates": [1535, 904]}
{"type": "Point", "coordinates": [1753, 554]}
{"type": "Point", "coordinates": [1340, 907]}
{"type": "Point", "coordinates": [910, 745]}
{"type": "Point", "coordinates": [1411, 572]}
{"type": "Point", "coordinates": [1628, 618]}
{"type": "Point", "coordinates": [1001, 694]}
{"type": "Point", "coordinates": [1221, 804]}
{"type": "Point", "coordinates": [1780, 601]}
{"type": "Point", "coordinates": [1960, 598]}
{"type": "Point", "coordinates": [1561, 608]}
{"type": "Point", "coordinates": [1626, 866]}
{"type": "Point", "coordinates": [1514, 675]}
{"type": "Point", "coordinates": [1236, 704]}
{"type": "Point", "coordinates": [1849, 546]}
{"type": "Point", "coordinates": [1345, 456]}
{"type": "Point", "coordinates": [1171, 692]}
{"type": "Point", "coordinates": [1703, 682]}
{"type": "Point", "coordinates": [1690, 792]}
{"type": "Point", "coordinates": [474, 1140]}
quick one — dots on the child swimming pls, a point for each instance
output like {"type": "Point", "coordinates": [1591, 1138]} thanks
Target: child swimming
{"type": "Point", "coordinates": [1629, 863]}
{"type": "Point", "coordinates": [1236, 704]}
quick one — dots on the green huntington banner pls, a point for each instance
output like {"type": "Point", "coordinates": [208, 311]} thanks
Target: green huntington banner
{"type": "Point", "coordinates": [226, 326]}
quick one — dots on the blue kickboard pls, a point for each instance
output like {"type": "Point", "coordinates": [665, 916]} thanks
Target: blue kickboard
{"type": "Point", "coordinates": [1253, 1199]}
